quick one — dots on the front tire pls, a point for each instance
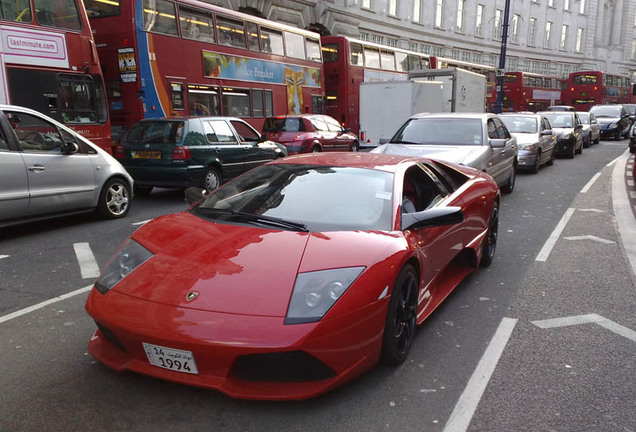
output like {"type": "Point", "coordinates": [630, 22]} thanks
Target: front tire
{"type": "Point", "coordinates": [212, 179]}
{"type": "Point", "coordinates": [401, 318]}
{"type": "Point", "coordinates": [537, 163]}
{"type": "Point", "coordinates": [490, 242]}
{"type": "Point", "coordinates": [114, 199]}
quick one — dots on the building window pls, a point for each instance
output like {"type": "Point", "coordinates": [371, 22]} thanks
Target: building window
{"type": "Point", "coordinates": [514, 36]}
{"type": "Point", "coordinates": [498, 23]}
{"type": "Point", "coordinates": [548, 34]}
{"type": "Point", "coordinates": [634, 50]}
{"type": "Point", "coordinates": [367, 4]}
{"type": "Point", "coordinates": [532, 32]}
{"type": "Point", "coordinates": [579, 40]}
{"type": "Point", "coordinates": [461, 4]}
{"type": "Point", "coordinates": [479, 20]}
{"type": "Point", "coordinates": [393, 7]}
{"type": "Point", "coordinates": [417, 10]}
{"type": "Point", "coordinates": [566, 5]}
{"type": "Point", "coordinates": [564, 36]}
{"type": "Point", "coordinates": [582, 7]}
{"type": "Point", "coordinates": [550, 3]}
{"type": "Point", "coordinates": [439, 13]}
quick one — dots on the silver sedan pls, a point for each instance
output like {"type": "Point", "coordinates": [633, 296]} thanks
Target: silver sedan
{"type": "Point", "coordinates": [535, 138]}
{"type": "Point", "coordinates": [591, 128]}
{"type": "Point", "coordinates": [48, 170]}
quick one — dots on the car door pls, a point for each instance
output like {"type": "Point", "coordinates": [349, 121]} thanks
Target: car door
{"type": "Point", "coordinates": [14, 192]}
{"type": "Point", "coordinates": [339, 141]}
{"type": "Point", "coordinates": [255, 152]}
{"type": "Point", "coordinates": [547, 138]}
{"type": "Point", "coordinates": [509, 152]}
{"type": "Point", "coordinates": [58, 182]}
{"type": "Point", "coordinates": [322, 133]}
{"type": "Point", "coordinates": [225, 148]}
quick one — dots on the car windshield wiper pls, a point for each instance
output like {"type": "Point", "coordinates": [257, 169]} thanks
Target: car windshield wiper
{"type": "Point", "coordinates": [252, 217]}
{"type": "Point", "coordinates": [403, 142]}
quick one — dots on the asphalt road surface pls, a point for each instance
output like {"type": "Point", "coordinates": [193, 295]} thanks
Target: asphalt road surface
{"type": "Point", "coordinates": [543, 340]}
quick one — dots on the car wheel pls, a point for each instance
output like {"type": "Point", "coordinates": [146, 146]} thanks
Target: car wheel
{"type": "Point", "coordinates": [537, 163]}
{"type": "Point", "coordinates": [490, 242]}
{"type": "Point", "coordinates": [597, 140]}
{"type": "Point", "coordinates": [587, 141]}
{"type": "Point", "coordinates": [316, 149]}
{"type": "Point", "coordinates": [573, 152]}
{"type": "Point", "coordinates": [114, 199]}
{"type": "Point", "coordinates": [355, 147]}
{"type": "Point", "coordinates": [580, 149]}
{"type": "Point", "coordinates": [401, 318]}
{"type": "Point", "coordinates": [510, 184]}
{"type": "Point", "coordinates": [142, 190]}
{"type": "Point", "coordinates": [212, 179]}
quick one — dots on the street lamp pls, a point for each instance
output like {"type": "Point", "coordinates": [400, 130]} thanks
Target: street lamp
{"type": "Point", "coordinates": [502, 61]}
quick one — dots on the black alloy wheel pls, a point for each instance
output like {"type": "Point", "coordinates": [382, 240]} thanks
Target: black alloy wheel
{"type": "Point", "coordinates": [401, 318]}
{"type": "Point", "coordinates": [490, 242]}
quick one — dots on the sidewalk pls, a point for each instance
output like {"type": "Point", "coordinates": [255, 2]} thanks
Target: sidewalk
{"type": "Point", "coordinates": [624, 200]}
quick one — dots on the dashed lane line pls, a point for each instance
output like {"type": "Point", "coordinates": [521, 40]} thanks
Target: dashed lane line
{"type": "Point", "coordinates": [86, 259]}
{"type": "Point", "coordinates": [544, 253]}
{"type": "Point", "coordinates": [30, 309]}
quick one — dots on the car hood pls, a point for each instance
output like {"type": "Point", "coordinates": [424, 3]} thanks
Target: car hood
{"type": "Point", "coordinates": [450, 153]}
{"type": "Point", "coordinates": [235, 268]}
{"type": "Point", "coordinates": [607, 120]}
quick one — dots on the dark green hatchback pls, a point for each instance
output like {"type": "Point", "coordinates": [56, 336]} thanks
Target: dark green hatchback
{"type": "Point", "coordinates": [180, 152]}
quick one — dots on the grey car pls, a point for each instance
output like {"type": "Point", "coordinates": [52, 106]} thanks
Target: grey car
{"type": "Point", "coordinates": [48, 170]}
{"type": "Point", "coordinates": [591, 128]}
{"type": "Point", "coordinates": [535, 138]}
{"type": "Point", "coordinates": [569, 131]}
{"type": "Point", "coordinates": [479, 141]}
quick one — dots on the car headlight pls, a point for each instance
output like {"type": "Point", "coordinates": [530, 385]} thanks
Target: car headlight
{"type": "Point", "coordinates": [129, 257]}
{"type": "Point", "coordinates": [612, 126]}
{"type": "Point", "coordinates": [316, 292]}
{"type": "Point", "coordinates": [528, 146]}
{"type": "Point", "coordinates": [567, 135]}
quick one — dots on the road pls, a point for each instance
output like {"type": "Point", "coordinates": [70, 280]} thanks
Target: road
{"type": "Point", "coordinates": [543, 340]}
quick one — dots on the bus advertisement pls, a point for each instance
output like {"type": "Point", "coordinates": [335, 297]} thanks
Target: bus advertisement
{"type": "Point", "coordinates": [349, 62]}
{"type": "Point", "coordinates": [525, 91]}
{"type": "Point", "coordinates": [48, 62]}
{"type": "Point", "coordinates": [165, 58]}
{"type": "Point", "coordinates": [588, 88]}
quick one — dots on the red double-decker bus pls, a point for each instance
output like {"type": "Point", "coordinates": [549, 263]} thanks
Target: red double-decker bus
{"type": "Point", "coordinates": [48, 62]}
{"type": "Point", "coordinates": [165, 58]}
{"type": "Point", "coordinates": [588, 88]}
{"type": "Point", "coordinates": [349, 62]}
{"type": "Point", "coordinates": [487, 71]}
{"type": "Point", "coordinates": [525, 91]}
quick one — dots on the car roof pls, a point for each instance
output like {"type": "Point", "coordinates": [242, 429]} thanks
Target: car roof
{"type": "Point", "coordinates": [480, 116]}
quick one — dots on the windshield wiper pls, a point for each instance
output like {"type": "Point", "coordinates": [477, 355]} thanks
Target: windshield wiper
{"type": "Point", "coordinates": [252, 217]}
{"type": "Point", "coordinates": [402, 142]}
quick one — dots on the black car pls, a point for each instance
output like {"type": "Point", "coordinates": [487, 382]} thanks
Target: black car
{"type": "Point", "coordinates": [614, 120]}
{"type": "Point", "coordinates": [182, 152]}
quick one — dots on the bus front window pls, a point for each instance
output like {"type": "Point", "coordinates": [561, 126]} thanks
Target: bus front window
{"type": "Point", "coordinates": [19, 10]}
{"type": "Point", "coordinates": [102, 9]}
{"type": "Point", "coordinates": [78, 99]}
{"type": "Point", "coordinates": [60, 13]}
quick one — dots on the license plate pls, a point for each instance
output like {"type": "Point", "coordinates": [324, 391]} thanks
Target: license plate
{"type": "Point", "coordinates": [146, 154]}
{"type": "Point", "coordinates": [170, 358]}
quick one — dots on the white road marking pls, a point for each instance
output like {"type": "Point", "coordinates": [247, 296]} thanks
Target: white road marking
{"type": "Point", "coordinates": [469, 399]}
{"type": "Point", "coordinates": [549, 244]}
{"type": "Point", "coordinates": [590, 237]}
{"type": "Point", "coordinates": [592, 210]}
{"type": "Point", "coordinates": [587, 319]}
{"type": "Point", "coordinates": [613, 162]}
{"type": "Point", "coordinates": [86, 260]}
{"type": "Point", "coordinates": [632, 194]}
{"type": "Point", "coordinates": [4, 256]}
{"type": "Point", "coordinates": [30, 309]}
{"type": "Point", "coordinates": [142, 222]}
{"type": "Point", "coordinates": [590, 183]}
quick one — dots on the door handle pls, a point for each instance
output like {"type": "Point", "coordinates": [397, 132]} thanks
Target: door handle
{"type": "Point", "coordinates": [36, 168]}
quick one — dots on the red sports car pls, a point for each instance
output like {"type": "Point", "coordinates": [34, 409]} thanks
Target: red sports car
{"type": "Point", "coordinates": [296, 276]}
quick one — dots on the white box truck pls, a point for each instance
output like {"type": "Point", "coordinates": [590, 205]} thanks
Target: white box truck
{"type": "Point", "coordinates": [385, 106]}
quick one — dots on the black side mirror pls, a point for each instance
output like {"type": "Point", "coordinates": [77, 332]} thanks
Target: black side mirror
{"type": "Point", "coordinates": [71, 147]}
{"type": "Point", "coordinates": [262, 138]}
{"type": "Point", "coordinates": [432, 218]}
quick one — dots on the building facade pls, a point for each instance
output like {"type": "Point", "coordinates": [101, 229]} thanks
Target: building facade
{"type": "Point", "coordinates": [552, 37]}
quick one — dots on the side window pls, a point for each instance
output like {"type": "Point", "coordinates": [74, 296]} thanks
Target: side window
{"type": "Point", "coordinates": [492, 130]}
{"type": "Point", "coordinates": [245, 131]}
{"type": "Point", "coordinates": [319, 124]}
{"type": "Point", "coordinates": [4, 143]}
{"type": "Point", "coordinates": [35, 134]}
{"type": "Point", "coordinates": [333, 125]}
{"type": "Point", "coordinates": [218, 131]}
{"type": "Point", "coordinates": [502, 132]}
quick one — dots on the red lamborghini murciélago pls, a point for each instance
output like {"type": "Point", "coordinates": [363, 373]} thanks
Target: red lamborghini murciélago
{"type": "Point", "coordinates": [296, 276]}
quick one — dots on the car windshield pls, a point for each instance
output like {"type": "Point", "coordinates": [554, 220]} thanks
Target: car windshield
{"type": "Point", "coordinates": [283, 124]}
{"type": "Point", "coordinates": [435, 130]}
{"type": "Point", "coordinates": [156, 132]}
{"type": "Point", "coordinates": [631, 109]}
{"type": "Point", "coordinates": [560, 120]}
{"type": "Point", "coordinates": [585, 117]}
{"type": "Point", "coordinates": [322, 198]}
{"type": "Point", "coordinates": [520, 124]}
{"type": "Point", "coordinates": [606, 111]}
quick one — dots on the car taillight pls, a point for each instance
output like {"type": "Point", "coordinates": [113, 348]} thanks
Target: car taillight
{"type": "Point", "coordinates": [118, 152]}
{"type": "Point", "coordinates": [300, 137]}
{"type": "Point", "coordinates": [181, 153]}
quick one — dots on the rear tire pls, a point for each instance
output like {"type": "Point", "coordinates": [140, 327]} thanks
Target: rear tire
{"type": "Point", "coordinates": [490, 242]}
{"type": "Point", "coordinates": [355, 147]}
{"type": "Point", "coordinates": [510, 184]}
{"type": "Point", "coordinates": [211, 179]}
{"type": "Point", "coordinates": [114, 199]}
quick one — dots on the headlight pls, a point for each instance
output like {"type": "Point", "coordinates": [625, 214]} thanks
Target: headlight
{"type": "Point", "coordinates": [315, 293]}
{"type": "Point", "coordinates": [131, 256]}
{"type": "Point", "coordinates": [566, 135]}
{"type": "Point", "coordinates": [528, 146]}
{"type": "Point", "coordinates": [612, 126]}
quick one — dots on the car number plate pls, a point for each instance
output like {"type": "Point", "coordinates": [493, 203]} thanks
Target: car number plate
{"type": "Point", "coordinates": [170, 358]}
{"type": "Point", "coordinates": [146, 154]}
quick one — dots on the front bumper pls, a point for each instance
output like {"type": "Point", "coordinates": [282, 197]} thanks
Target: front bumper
{"type": "Point", "coordinates": [565, 146]}
{"type": "Point", "coordinates": [527, 158]}
{"type": "Point", "coordinates": [222, 344]}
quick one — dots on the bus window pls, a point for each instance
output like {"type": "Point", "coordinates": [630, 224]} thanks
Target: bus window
{"type": "Point", "coordinates": [372, 57]}
{"type": "Point", "coordinates": [294, 44]}
{"type": "Point", "coordinates": [401, 62]}
{"type": "Point", "coordinates": [252, 36]}
{"type": "Point", "coordinates": [269, 103]}
{"type": "Point", "coordinates": [330, 53]}
{"type": "Point", "coordinates": [415, 63]}
{"type": "Point", "coordinates": [231, 32]}
{"type": "Point", "coordinates": [178, 103]}
{"type": "Point", "coordinates": [196, 24]}
{"type": "Point", "coordinates": [77, 99]}
{"type": "Point", "coordinates": [257, 104]}
{"type": "Point", "coordinates": [313, 50]}
{"type": "Point", "coordinates": [160, 17]}
{"type": "Point", "coordinates": [356, 54]}
{"type": "Point", "coordinates": [100, 9]}
{"type": "Point", "coordinates": [203, 100]}
{"type": "Point", "coordinates": [236, 102]}
{"type": "Point", "coordinates": [19, 10]}
{"type": "Point", "coordinates": [388, 60]}
{"type": "Point", "coordinates": [318, 104]}
{"type": "Point", "coordinates": [60, 13]}
{"type": "Point", "coordinates": [272, 41]}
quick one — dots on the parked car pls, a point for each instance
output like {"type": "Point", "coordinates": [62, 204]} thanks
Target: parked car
{"type": "Point", "coordinates": [535, 139]}
{"type": "Point", "coordinates": [591, 128]}
{"type": "Point", "coordinates": [295, 278]}
{"type": "Point", "coordinates": [631, 110]}
{"type": "Point", "coordinates": [48, 170]}
{"type": "Point", "coordinates": [479, 141]}
{"type": "Point", "coordinates": [181, 152]}
{"type": "Point", "coordinates": [632, 140]}
{"type": "Point", "coordinates": [561, 108]}
{"type": "Point", "coordinates": [310, 133]}
{"type": "Point", "coordinates": [614, 120]}
{"type": "Point", "coordinates": [569, 131]}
